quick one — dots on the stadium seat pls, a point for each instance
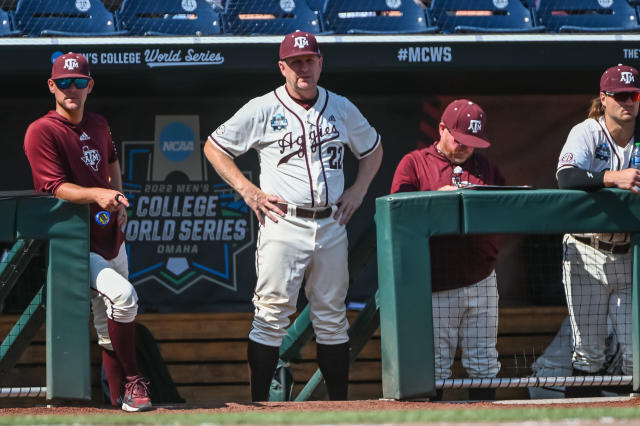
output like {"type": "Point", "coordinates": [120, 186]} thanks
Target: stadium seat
{"type": "Point", "coordinates": [5, 25]}
{"type": "Point", "coordinates": [376, 17]}
{"type": "Point", "coordinates": [168, 17]}
{"type": "Point", "coordinates": [64, 18]}
{"type": "Point", "coordinates": [587, 16]}
{"type": "Point", "coordinates": [269, 17]}
{"type": "Point", "coordinates": [482, 16]}
{"type": "Point", "coordinates": [318, 5]}
{"type": "Point", "coordinates": [530, 3]}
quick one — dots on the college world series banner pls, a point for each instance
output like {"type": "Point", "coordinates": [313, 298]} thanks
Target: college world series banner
{"type": "Point", "coordinates": [190, 237]}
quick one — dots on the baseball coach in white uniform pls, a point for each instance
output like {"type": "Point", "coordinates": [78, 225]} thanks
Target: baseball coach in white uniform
{"type": "Point", "coordinates": [300, 131]}
{"type": "Point", "coordinates": [597, 266]}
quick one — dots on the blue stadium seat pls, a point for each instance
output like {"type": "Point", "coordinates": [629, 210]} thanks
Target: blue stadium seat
{"type": "Point", "coordinates": [376, 17]}
{"type": "Point", "coordinates": [319, 5]}
{"type": "Point", "coordinates": [64, 18]}
{"type": "Point", "coordinates": [530, 3]}
{"type": "Point", "coordinates": [269, 17]}
{"type": "Point", "coordinates": [5, 25]}
{"type": "Point", "coordinates": [482, 16]}
{"type": "Point", "coordinates": [168, 17]}
{"type": "Point", "coordinates": [587, 16]}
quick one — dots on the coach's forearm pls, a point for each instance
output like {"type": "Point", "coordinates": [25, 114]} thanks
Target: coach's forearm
{"type": "Point", "coordinates": [367, 169]}
{"type": "Point", "coordinates": [228, 170]}
{"type": "Point", "coordinates": [78, 194]}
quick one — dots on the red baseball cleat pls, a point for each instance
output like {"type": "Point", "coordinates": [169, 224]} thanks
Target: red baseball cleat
{"type": "Point", "coordinates": [136, 394]}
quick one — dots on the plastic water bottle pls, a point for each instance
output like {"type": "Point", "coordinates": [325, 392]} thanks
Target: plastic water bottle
{"type": "Point", "coordinates": [635, 157]}
{"type": "Point", "coordinates": [635, 160]}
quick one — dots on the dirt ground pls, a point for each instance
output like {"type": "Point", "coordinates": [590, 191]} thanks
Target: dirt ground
{"type": "Point", "coordinates": [367, 405]}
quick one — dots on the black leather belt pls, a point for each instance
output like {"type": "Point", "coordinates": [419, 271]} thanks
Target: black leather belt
{"type": "Point", "coordinates": [304, 212]}
{"type": "Point", "coordinates": [604, 246]}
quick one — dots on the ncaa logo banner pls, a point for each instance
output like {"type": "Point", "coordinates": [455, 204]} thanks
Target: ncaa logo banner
{"type": "Point", "coordinates": [188, 233]}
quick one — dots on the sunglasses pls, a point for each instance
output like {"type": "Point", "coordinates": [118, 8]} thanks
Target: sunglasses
{"type": "Point", "coordinates": [624, 96]}
{"type": "Point", "coordinates": [65, 83]}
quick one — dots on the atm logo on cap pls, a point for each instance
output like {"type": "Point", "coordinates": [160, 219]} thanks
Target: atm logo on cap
{"type": "Point", "coordinates": [300, 42]}
{"type": "Point", "coordinates": [475, 126]}
{"type": "Point", "coordinates": [627, 77]}
{"type": "Point", "coordinates": [71, 64]}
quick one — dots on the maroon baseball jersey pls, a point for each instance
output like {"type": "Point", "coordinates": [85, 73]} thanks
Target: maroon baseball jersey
{"type": "Point", "coordinates": [456, 261]}
{"type": "Point", "coordinates": [62, 152]}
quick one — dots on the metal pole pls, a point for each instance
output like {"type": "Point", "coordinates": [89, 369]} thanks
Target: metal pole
{"type": "Point", "coordinates": [25, 392]}
{"type": "Point", "coordinates": [526, 382]}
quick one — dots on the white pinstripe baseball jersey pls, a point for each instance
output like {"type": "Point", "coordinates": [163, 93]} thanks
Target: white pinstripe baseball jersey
{"type": "Point", "coordinates": [590, 147]}
{"type": "Point", "coordinates": [301, 151]}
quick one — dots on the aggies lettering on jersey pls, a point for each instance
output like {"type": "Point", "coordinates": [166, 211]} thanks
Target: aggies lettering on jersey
{"type": "Point", "coordinates": [301, 150]}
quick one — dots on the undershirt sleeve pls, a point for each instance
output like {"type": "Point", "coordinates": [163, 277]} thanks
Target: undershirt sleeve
{"type": "Point", "coordinates": [575, 178]}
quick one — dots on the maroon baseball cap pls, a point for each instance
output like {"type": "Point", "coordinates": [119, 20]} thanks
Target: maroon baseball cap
{"type": "Point", "coordinates": [70, 65]}
{"type": "Point", "coordinates": [299, 43]}
{"type": "Point", "coordinates": [466, 121]}
{"type": "Point", "coordinates": [621, 78]}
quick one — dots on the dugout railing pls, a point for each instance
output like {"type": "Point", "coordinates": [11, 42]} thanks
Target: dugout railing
{"type": "Point", "coordinates": [27, 219]}
{"type": "Point", "coordinates": [405, 223]}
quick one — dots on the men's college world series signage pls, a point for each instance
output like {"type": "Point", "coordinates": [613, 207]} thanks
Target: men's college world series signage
{"type": "Point", "coordinates": [188, 231]}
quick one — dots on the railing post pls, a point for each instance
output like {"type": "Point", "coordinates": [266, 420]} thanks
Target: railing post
{"type": "Point", "coordinates": [66, 226]}
{"type": "Point", "coordinates": [635, 240]}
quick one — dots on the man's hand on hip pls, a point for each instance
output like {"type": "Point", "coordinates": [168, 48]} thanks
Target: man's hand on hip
{"type": "Point", "coordinates": [263, 204]}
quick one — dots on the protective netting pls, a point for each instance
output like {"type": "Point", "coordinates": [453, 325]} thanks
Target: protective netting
{"type": "Point", "coordinates": [570, 324]}
{"type": "Point", "coordinates": [248, 17]}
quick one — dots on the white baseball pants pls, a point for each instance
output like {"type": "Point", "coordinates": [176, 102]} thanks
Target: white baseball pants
{"type": "Point", "coordinates": [597, 285]}
{"type": "Point", "coordinates": [469, 315]}
{"type": "Point", "coordinates": [112, 295]}
{"type": "Point", "coordinates": [287, 252]}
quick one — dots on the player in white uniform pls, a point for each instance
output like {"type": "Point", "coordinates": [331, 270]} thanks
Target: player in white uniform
{"type": "Point", "coordinates": [300, 131]}
{"type": "Point", "coordinates": [597, 267]}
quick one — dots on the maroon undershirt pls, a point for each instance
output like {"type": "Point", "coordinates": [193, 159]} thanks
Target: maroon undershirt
{"type": "Point", "coordinates": [304, 103]}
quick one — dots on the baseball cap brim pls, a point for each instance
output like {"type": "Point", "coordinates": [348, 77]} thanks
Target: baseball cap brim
{"type": "Point", "coordinates": [469, 140]}
{"type": "Point", "coordinates": [73, 75]}
{"type": "Point", "coordinates": [293, 55]}
{"type": "Point", "coordinates": [622, 90]}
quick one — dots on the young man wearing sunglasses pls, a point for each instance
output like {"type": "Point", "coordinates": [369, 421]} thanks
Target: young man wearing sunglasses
{"type": "Point", "coordinates": [597, 267]}
{"type": "Point", "coordinates": [72, 156]}
{"type": "Point", "coordinates": [464, 299]}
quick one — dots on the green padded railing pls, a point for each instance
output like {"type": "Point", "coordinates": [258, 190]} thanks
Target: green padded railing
{"type": "Point", "coordinates": [65, 227]}
{"type": "Point", "coordinates": [405, 222]}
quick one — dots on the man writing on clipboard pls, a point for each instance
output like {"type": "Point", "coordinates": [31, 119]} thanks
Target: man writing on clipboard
{"type": "Point", "coordinates": [464, 299]}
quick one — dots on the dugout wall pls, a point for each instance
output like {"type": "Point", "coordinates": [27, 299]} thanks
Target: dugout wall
{"type": "Point", "coordinates": [405, 222]}
{"type": "Point", "coordinates": [534, 88]}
